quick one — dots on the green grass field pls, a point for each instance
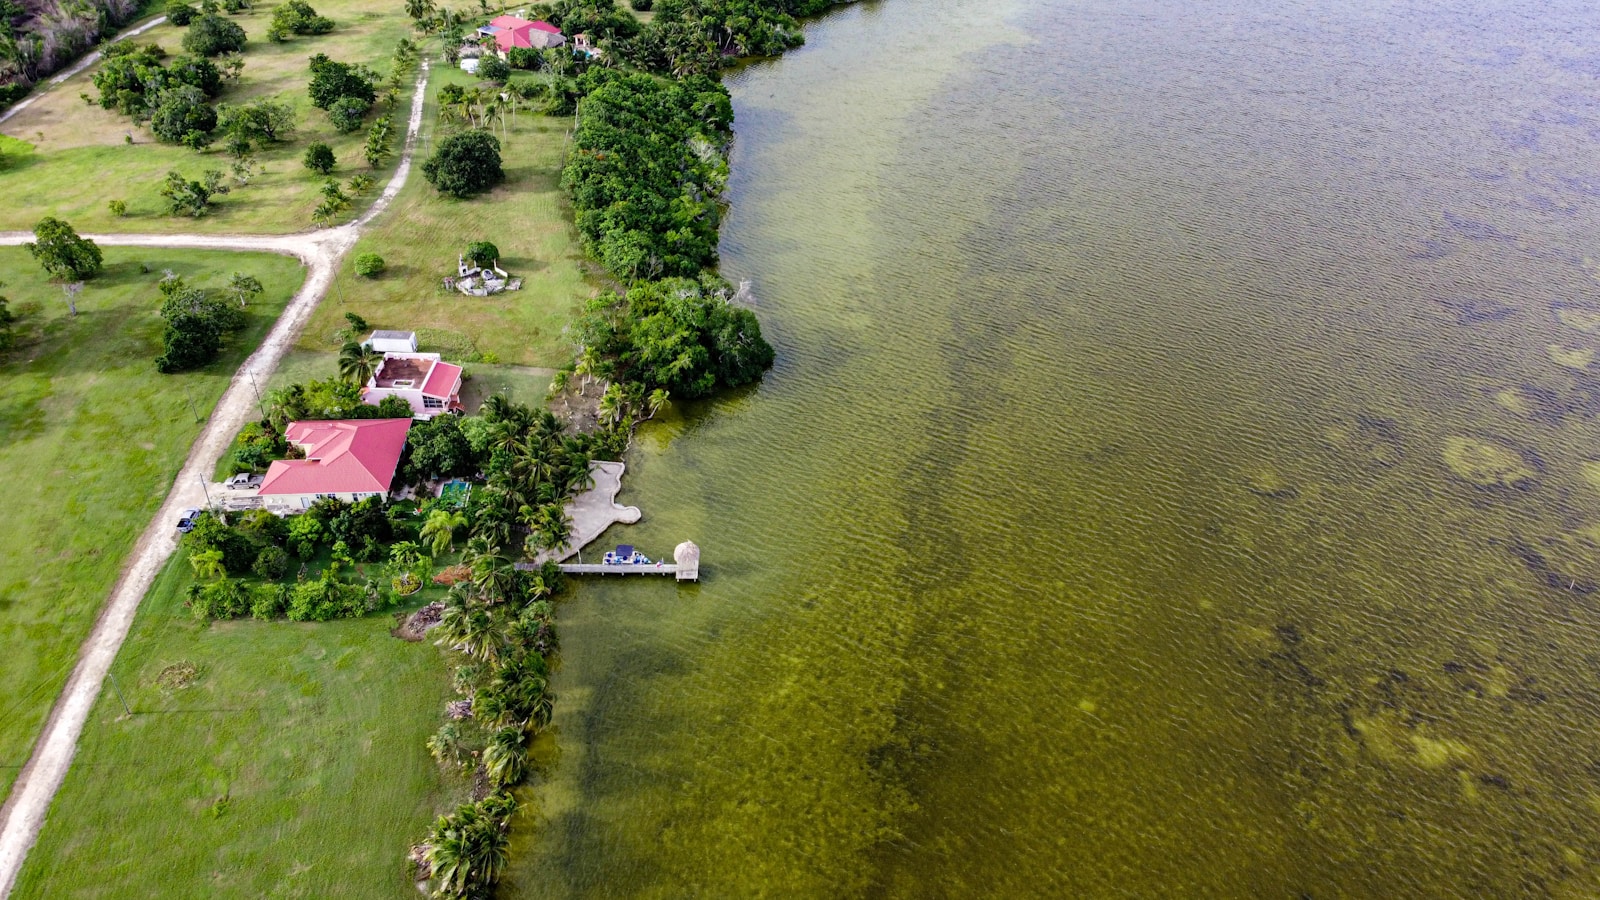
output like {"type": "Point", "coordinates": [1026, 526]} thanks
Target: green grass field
{"type": "Point", "coordinates": [74, 157]}
{"type": "Point", "coordinates": [293, 765]}
{"type": "Point", "coordinates": [90, 440]}
{"type": "Point", "coordinates": [422, 232]}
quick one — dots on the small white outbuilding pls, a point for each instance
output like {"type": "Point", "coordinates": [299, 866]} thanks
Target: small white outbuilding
{"type": "Point", "coordinates": [393, 341]}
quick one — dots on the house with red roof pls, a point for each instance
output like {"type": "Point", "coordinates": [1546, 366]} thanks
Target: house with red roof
{"type": "Point", "coordinates": [349, 459]}
{"type": "Point", "coordinates": [510, 32]}
{"type": "Point", "coordinates": [425, 381]}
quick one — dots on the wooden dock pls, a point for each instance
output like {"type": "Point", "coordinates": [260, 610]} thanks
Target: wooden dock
{"type": "Point", "coordinates": [685, 566]}
{"type": "Point", "coordinates": [683, 573]}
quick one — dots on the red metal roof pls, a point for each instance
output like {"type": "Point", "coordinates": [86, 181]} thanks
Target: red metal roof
{"type": "Point", "coordinates": [349, 456]}
{"type": "Point", "coordinates": [512, 31]}
{"type": "Point", "coordinates": [442, 381]}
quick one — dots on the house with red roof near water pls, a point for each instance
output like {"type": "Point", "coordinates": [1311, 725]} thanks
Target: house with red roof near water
{"type": "Point", "coordinates": [510, 32]}
{"type": "Point", "coordinates": [425, 381]}
{"type": "Point", "coordinates": [349, 459]}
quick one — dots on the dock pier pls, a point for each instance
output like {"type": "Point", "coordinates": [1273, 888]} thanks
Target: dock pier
{"type": "Point", "coordinates": [685, 566]}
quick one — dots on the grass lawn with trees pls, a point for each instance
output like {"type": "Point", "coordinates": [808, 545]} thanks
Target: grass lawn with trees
{"type": "Point", "coordinates": [92, 438]}
{"type": "Point", "coordinates": [420, 235]}
{"type": "Point", "coordinates": [262, 759]}
{"type": "Point", "coordinates": [66, 158]}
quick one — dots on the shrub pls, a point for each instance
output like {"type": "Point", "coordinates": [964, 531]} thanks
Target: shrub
{"type": "Point", "coordinates": [319, 158]}
{"type": "Point", "coordinates": [296, 17]}
{"type": "Point", "coordinates": [346, 113]}
{"type": "Point", "coordinates": [465, 164]}
{"type": "Point", "coordinates": [368, 265]}
{"type": "Point", "coordinates": [211, 35]}
{"type": "Point", "coordinates": [180, 13]}
{"type": "Point", "coordinates": [495, 69]}
{"type": "Point", "coordinates": [119, 208]}
{"type": "Point", "coordinates": [196, 324]}
{"type": "Point", "coordinates": [356, 322]}
{"type": "Point", "coordinates": [522, 58]}
{"type": "Point", "coordinates": [268, 601]}
{"type": "Point", "coordinates": [192, 198]}
{"type": "Point", "coordinates": [305, 534]}
{"type": "Point", "coordinates": [482, 254]}
{"type": "Point", "coordinates": [641, 5]}
{"type": "Point", "coordinates": [220, 599]}
{"type": "Point", "coordinates": [271, 563]}
{"type": "Point", "coordinates": [64, 254]}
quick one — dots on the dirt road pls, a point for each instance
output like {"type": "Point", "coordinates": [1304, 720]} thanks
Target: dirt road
{"type": "Point", "coordinates": [25, 809]}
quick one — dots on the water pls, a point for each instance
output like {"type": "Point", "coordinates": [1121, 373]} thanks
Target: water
{"type": "Point", "coordinates": [1097, 532]}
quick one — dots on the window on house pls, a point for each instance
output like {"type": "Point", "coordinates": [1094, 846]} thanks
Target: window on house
{"type": "Point", "coordinates": [432, 403]}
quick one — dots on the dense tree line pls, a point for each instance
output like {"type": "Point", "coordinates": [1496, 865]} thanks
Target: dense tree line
{"type": "Point", "coordinates": [37, 39]}
{"type": "Point", "coordinates": [647, 171]}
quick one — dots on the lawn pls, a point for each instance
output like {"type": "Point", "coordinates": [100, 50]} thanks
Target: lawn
{"type": "Point", "coordinates": [90, 440]}
{"type": "Point", "coordinates": [420, 235]}
{"type": "Point", "coordinates": [69, 158]}
{"type": "Point", "coordinates": [292, 765]}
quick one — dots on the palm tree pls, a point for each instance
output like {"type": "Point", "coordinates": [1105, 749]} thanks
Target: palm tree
{"type": "Point", "coordinates": [419, 10]}
{"type": "Point", "coordinates": [469, 627]}
{"type": "Point", "coordinates": [612, 405]}
{"type": "Point", "coordinates": [506, 758]}
{"type": "Point", "coordinates": [441, 529]}
{"type": "Point", "coordinates": [207, 564]}
{"type": "Point", "coordinates": [357, 362]}
{"type": "Point", "coordinates": [467, 850]}
{"type": "Point", "coordinates": [493, 572]}
{"type": "Point", "coordinates": [447, 747]}
{"type": "Point", "coordinates": [658, 398]}
{"type": "Point", "coordinates": [552, 527]}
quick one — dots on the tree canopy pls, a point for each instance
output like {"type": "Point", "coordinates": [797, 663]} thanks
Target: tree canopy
{"type": "Point", "coordinates": [64, 254]}
{"type": "Point", "coordinates": [647, 172]}
{"type": "Point", "coordinates": [464, 164]}
{"type": "Point", "coordinates": [211, 35]}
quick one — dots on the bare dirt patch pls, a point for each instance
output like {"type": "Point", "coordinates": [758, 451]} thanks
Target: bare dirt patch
{"type": "Point", "coordinates": [415, 626]}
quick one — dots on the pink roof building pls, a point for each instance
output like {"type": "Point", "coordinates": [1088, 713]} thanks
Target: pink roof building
{"type": "Point", "coordinates": [350, 459]}
{"type": "Point", "coordinates": [511, 31]}
{"type": "Point", "coordinates": [423, 380]}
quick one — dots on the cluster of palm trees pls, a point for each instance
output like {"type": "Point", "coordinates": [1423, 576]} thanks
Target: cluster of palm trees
{"type": "Point", "coordinates": [467, 850]}
{"type": "Point", "coordinates": [502, 623]}
{"type": "Point", "coordinates": [483, 108]}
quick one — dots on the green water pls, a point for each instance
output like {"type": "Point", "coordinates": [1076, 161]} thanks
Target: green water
{"type": "Point", "coordinates": [1096, 533]}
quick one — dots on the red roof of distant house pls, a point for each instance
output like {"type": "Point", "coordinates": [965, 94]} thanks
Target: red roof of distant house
{"type": "Point", "coordinates": [442, 380]}
{"type": "Point", "coordinates": [342, 457]}
{"type": "Point", "coordinates": [512, 31]}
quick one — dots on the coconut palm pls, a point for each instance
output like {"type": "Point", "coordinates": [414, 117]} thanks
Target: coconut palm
{"type": "Point", "coordinates": [357, 362]}
{"type": "Point", "coordinates": [441, 529]}
{"type": "Point", "coordinates": [470, 628]}
{"type": "Point", "coordinates": [612, 404]}
{"type": "Point", "coordinates": [493, 572]}
{"type": "Point", "coordinates": [467, 850]}
{"type": "Point", "coordinates": [505, 760]}
{"type": "Point", "coordinates": [658, 398]}
{"type": "Point", "coordinates": [552, 527]}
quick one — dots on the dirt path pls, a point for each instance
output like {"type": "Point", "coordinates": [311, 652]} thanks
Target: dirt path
{"type": "Point", "coordinates": [25, 809]}
{"type": "Point", "coordinates": [75, 68]}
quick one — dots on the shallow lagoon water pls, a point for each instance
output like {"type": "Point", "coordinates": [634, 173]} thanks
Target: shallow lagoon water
{"type": "Point", "coordinates": [1179, 476]}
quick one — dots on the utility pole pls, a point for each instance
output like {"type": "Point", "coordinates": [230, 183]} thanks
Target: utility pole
{"type": "Point", "coordinates": [205, 490]}
{"type": "Point", "coordinates": [118, 689]}
{"type": "Point", "coordinates": [257, 388]}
